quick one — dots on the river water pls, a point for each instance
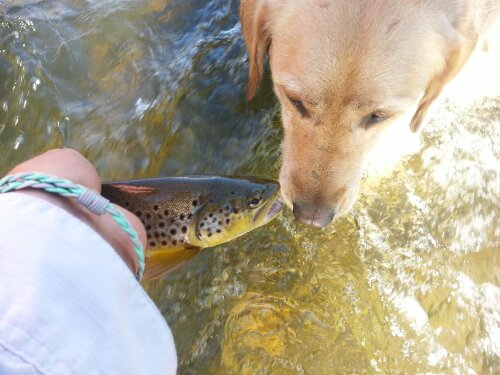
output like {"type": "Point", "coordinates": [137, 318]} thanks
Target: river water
{"type": "Point", "coordinates": [408, 282]}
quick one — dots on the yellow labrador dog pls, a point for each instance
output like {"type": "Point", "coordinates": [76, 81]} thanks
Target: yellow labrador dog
{"type": "Point", "coordinates": [344, 69]}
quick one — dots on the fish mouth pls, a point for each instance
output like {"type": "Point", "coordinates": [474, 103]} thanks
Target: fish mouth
{"type": "Point", "coordinates": [271, 210]}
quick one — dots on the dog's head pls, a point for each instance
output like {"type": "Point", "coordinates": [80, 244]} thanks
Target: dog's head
{"type": "Point", "coordinates": [342, 71]}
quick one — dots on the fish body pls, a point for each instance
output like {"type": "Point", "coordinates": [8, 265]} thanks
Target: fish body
{"type": "Point", "coordinates": [183, 215]}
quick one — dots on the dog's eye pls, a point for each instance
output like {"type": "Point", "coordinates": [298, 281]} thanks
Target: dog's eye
{"type": "Point", "coordinates": [299, 106]}
{"type": "Point", "coordinates": [375, 118]}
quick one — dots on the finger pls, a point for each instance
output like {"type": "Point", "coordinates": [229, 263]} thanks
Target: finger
{"type": "Point", "coordinates": [119, 239]}
{"type": "Point", "coordinates": [137, 224]}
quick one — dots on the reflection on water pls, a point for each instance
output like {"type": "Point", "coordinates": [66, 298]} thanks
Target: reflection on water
{"type": "Point", "coordinates": [407, 283]}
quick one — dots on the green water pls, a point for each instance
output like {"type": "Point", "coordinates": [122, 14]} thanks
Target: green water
{"type": "Point", "coordinates": [409, 282]}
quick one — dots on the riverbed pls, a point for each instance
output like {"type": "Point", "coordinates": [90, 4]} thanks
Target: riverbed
{"type": "Point", "coordinates": [408, 282]}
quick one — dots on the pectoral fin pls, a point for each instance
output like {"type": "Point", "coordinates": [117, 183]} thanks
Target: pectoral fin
{"type": "Point", "coordinates": [158, 263]}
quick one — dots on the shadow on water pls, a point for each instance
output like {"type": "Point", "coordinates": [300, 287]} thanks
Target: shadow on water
{"type": "Point", "coordinates": [407, 283]}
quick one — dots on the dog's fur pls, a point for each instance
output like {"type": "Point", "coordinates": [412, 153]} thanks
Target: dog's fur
{"type": "Point", "coordinates": [344, 69]}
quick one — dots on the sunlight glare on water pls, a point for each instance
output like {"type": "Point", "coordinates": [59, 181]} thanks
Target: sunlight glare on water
{"type": "Point", "coordinates": [408, 282]}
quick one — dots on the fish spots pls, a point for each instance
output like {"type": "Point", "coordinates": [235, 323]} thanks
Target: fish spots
{"type": "Point", "coordinates": [126, 204]}
{"type": "Point", "coordinates": [165, 227]}
{"type": "Point", "coordinates": [228, 210]}
{"type": "Point", "coordinates": [194, 202]}
{"type": "Point", "coordinates": [213, 222]}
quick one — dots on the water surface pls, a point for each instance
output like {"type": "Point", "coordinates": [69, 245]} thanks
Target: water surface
{"type": "Point", "coordinates": [409, 282]}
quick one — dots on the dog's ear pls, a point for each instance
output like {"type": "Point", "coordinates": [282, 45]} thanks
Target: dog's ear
{"type": "Point", "coordinates": [460, 42]}
{"type": "Point", "coordinates": [455, 60]}
{"type": "Point", "coordinates": [254, 18]}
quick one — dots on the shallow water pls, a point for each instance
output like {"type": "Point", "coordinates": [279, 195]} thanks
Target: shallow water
{"type": "Point", "coordinates": [408, 283]}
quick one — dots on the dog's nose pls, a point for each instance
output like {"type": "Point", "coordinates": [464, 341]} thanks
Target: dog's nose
{"type": "Point", "coordinates": [313, 215]}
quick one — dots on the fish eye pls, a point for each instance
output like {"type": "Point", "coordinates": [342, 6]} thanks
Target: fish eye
{"type": "Point", "coordinates": [255, 201]}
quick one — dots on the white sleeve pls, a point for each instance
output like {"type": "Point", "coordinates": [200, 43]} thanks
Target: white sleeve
{"type": "Point", "coordinates": [68, 303]}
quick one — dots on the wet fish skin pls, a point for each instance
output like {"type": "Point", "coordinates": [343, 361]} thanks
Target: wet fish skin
{"type": "Point", "coordinates": [185, 214]}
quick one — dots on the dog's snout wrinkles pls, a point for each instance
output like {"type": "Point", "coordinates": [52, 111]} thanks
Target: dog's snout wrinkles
{"type": "Point", "coordinates": [313, 215]}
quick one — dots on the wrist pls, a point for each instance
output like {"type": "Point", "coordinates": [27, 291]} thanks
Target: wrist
{"type": "Point", "coordinates": [128, 238]}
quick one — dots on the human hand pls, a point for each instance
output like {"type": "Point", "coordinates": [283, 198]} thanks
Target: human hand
{"type": "Point", "coordinates": [71, 165]}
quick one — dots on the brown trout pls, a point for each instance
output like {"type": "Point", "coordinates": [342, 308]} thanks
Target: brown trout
{"type": "Point", "coordinates": [183, 215]}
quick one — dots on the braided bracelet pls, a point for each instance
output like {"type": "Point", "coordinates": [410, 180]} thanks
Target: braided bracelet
{"type": "Point", "coordinates": [88, 198]}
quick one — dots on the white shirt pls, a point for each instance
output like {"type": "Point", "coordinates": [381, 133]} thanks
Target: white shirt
{"type": "Point", "coordinates": [68, 303]}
